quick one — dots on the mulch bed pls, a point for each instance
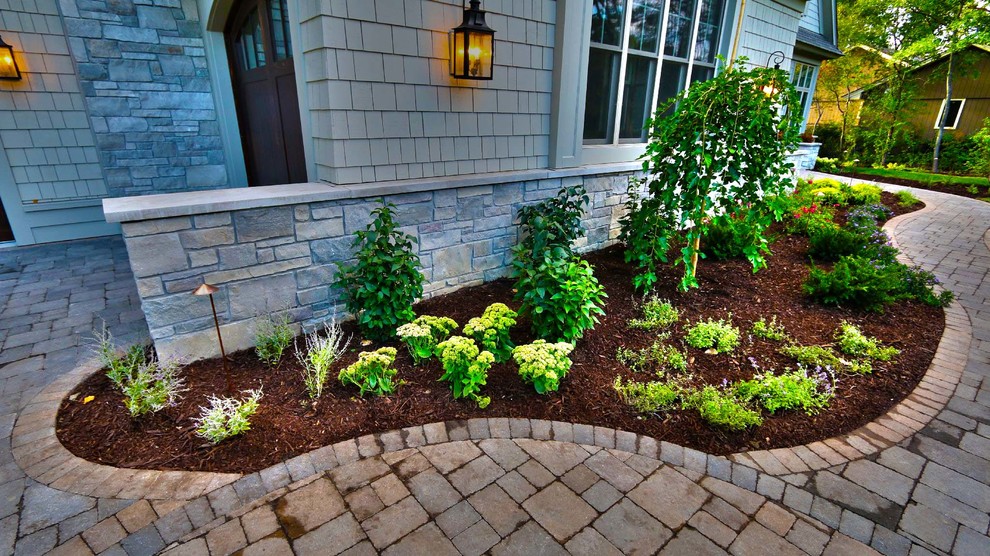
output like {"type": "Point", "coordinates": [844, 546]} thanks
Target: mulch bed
{"type": "Point", "coordinates": [287, 424]}
{"type": "Point", "coordinates": [942, 187]}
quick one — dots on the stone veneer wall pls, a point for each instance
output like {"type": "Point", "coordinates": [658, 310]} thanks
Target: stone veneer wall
{"type": "Point", "coordinates": [285, 256]}
{"type": "Point", "coordinates": [142, 64]}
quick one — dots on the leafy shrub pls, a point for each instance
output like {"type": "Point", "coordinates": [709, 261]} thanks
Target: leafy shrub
{"type": "Point", "coordinates": [829, 195]}
{"type": "Point", "coordinates": [729, 237]}
{"type": "Point", "coordinates": [867, 215]}
{"type": "Point", "coordinates": [772, 330]}
{"type": "Point", "coordinates": [491, 330]}
{"type": "Point", "coordinates": [863, 194]}
{"type": "Point", "coordinates": [907, 199]}
{"type": "Point", "coordinates": [227, 417]}
{"type": "Point", "coordinates": [854, 282]}
{"type": "Point", "coordinates": [381, 287]}
{"type": "Point", "coordinates": [790, 390]}
{"type": "Point", "coordinates": [543, 364]}
{"type": "Point", "coordinates": [979, 163]}
{"type": "Point", "coordinates": [657, 313]}
{"type": "Point", "coordinates": [550, 227]}
{"type": "Point", "coordinates": [718, 335]}
{"type": "Point", "coordinates": [272, 337]}
{"type": "Point", "coordinates": [722, 409]}
{"type": "Point", "coordinates": [563, 298]}
{"type": "Point", "coordinates": [918, 283]}
{"type": "Point", "coordinates": [465, 368]}
{"type": "Point", "coordinates": [827, 165]}
{"type": "Point", "coordinates": [807, 219]}
{"type": "Point", "coordinates": [820, 357]}
{"type": "Point", "coordinates": [648, 397]}
{"type": "Point", "coordinates": [853, 342]}
{"type": "Point", "coordinates": [422, 335]}
{"type": "Point", "coordinates": [320, 351]}
{"type": "Point", "coordinates": [154, 386]}
{"type": "Point", "coordinates": [119, 367]}
{"type": "Point", "coordinates": [657, 358]}
{"type": "Point", "coordinates": [829, 243]}
{"type": "Point", "coordinates": [372, 372]}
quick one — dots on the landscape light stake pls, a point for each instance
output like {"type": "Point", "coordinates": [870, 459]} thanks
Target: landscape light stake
{"type": "Point", "coordinates": [208, 289]}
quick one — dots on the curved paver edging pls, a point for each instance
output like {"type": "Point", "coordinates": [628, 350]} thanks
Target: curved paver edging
{"type": "Point", "coordinates": [39, 453]}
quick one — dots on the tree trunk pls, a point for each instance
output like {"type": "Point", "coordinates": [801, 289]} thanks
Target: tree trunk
{"type": "Point", "coordinates": [944, 116]}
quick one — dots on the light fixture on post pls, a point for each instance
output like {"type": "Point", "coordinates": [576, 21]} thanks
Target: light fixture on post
{"type": "Point", "coordinates": [775, 57]}
{"type": "Point", "coordinates": [209, 289]}
{"type": "Point", "coordinates": [472, 46]}
{"type": "Point", "coordinates": [8, 65]}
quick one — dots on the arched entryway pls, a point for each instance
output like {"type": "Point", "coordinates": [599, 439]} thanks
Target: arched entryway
{"type": "Point", "coordinates": [259, 49]}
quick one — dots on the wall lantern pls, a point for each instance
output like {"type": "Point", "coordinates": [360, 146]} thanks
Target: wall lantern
{"type": "Point", "coordinates": [775, 57]}
{"type": "Point", "coordinates": [472, 46]}
{"type": "Point", "coordinates": [8, 65]}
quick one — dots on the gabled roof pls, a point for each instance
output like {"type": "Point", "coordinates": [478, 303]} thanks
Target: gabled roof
{"type": "Point", "coordinates": [920, 66]}
{"type": "Point", "coordinates": [817, 44]}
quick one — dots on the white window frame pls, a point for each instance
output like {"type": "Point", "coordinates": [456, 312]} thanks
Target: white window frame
{"type": "Point", "coordinates": [810, 90]}
{"type": "Point", "coordinates": [571, 53]}
{"type": "Point", "coordinates": [941, 111]}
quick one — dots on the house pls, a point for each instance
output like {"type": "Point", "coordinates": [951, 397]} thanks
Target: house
{"type": "Point", "coordinates": [153, 118]}
{"type": "Point", "coordinates": [969, 106]}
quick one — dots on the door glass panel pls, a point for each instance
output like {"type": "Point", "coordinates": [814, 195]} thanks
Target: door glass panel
{"type": "Point", "coordinates": [280, 29]}
{"type": "Point", "coordinates": [607, 17]}
{"type": "Point", "coordinates": [708, 31]}
{"type": "Point", "coordinates": [603, 79]}
{"type": "Point", "coordinates": [679, 24]}
{"type": "Point", "coordinates": [250, 44]}
{"type": "Point", "coordinates": [637, 95]}
{"type": "Point", "coordinates": [644, 29]}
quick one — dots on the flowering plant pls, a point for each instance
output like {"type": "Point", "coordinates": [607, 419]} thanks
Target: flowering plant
{"type": "Point", "coordinates": [543, 364]}
{"type": "Point", "coordinates": [372, 372]}
{"type": "Point", "coordinates": [422, 335]}
{"type": "Point", "coordinates": [465, 368]}
{"type": "Point", "coordinates": [719, 148]}
{"type": "Point", "coordinates": [491, 330]}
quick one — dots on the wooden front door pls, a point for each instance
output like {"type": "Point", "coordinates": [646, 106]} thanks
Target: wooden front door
{"type": "Point", "coordinates": [260, 52]}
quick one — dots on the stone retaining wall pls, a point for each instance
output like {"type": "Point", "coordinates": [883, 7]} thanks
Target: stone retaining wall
{"type": "Point", "coordinates": [285, 256]}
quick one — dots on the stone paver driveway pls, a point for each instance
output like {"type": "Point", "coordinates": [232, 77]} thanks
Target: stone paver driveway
{"type": "Point", "coordinates": [465, 488]}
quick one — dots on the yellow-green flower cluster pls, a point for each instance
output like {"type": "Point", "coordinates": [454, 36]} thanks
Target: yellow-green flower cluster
{"type": "Point", "coordinates": [422, 335]}
{"type": "Point", "coordinates": [465, 368]}
{"type": "Point", "coordinates": [543, 364]}
{"type": "Point", "coordinates": [491, 330]}
{"type": "Point", "coordinates": [372, 372]}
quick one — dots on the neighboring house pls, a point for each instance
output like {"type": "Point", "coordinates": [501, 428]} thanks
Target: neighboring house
{"type": "Point", "coordinates": [969, 106]}
{"type": "Point", "coordinates": [828, 106]}
{"type": "Point", "coordinates": [123, 99]}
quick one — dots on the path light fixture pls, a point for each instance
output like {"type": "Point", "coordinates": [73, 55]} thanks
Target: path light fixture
{"type": "Point", "coordinates": [777, 58]}
{"type": "Point", "coordinates": [472, 46]}
{"type": "Point", "coordinates": [209, 289]}
{"type": "Point", "coordinates": [8, 65]}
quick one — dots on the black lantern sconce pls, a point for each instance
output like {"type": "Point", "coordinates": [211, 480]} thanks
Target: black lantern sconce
{"type": "Point", "coordinates": [777, 58]}
{"type": "Point", "coordinates": [472, 46]}
{"type": "Point", "coordinates": [8, 65]}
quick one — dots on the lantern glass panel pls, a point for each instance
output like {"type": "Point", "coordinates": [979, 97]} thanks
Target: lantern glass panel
{"type": "Point", "coordinates": [8, 67]}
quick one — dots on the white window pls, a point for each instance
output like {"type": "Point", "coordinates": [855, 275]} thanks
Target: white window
{"type": "Point", "coordinates": [643, 52]}
{"type": "Point", "coordinates": [955, 110]}
{"type": "Point", "coordinates": [803, 78]}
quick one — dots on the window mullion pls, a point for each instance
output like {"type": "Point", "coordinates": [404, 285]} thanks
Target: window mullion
{"type": "Point", "coordinates": [660, 50]}
{"type": "Point", "coordinates": [620, 93]}
{"type": "Point", "coordinates": [692, 46]}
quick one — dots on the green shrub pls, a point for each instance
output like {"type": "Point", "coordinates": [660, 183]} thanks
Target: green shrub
{"type": "Point", "coordinates": [550, 228]}
{"type": "Point", "coordinates": [718, 335]}
{"type": "Point", "coordinates": [227, 417]}
{"type": "Point", "coordinates": [272, 337]}
{"type": "Point", "coordinates": [657, 313]}
{"type": "Point", "coordinates": [827, 165]}
{"type": "Point", "coordinates": [820, 357]}
{"type": "Point", "coordinates": [491, 330]}
{"type": "Point", "coordinates": [657, 358]}
{"type": "Point", "coordinates": [721, 409]}
{"type": "Point", "coordinates": [830, 243]}
{"type": "Point", "coordinates": [154, 386]}
{"type": "Point", "coordinates": [790, 390]}
{"type": "Point", "coordinates": [918, 283]}
{"type": "Point", "coordinates": [806, 220]}
{"type": "Point", "coordinates": [863, 194]}
{"type": "Point", "coordinates": [319, 353]}
{"type": "Point", "coordinates": [372, 372]}
{"type": "Point", "coordinates": [772, 330]}
{"type": "Point", "coordinates": [979, 161]}
{"type": "Point", "coordinates": [543, 364]}
{"type": "Point", "coordinates": [381, 287]}
{"type": "Point", "coordinates": [119, 367]}
{"type": "Point", "coordinates": [855, 282]}
{"type": "Point", "coordinates": [732, 238]}
{"type": "Point", "coordinates": [853, 342]}
{"type": "Point", "coordinates": [906, 199]}
{"type": "Point", "coordinates": [422, 335]}
{"type": "Point", "coordinates": [829, 195]}
{"type": "Point", "coordinates": [563, 299]}
{"type": "Point", "coordinates": [465, 368]}
{"type": "Point", "coordinates": [648, 397]}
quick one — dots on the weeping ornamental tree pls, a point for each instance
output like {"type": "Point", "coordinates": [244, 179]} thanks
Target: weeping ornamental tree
{"type": "Point", "coordinates": [718, 156]}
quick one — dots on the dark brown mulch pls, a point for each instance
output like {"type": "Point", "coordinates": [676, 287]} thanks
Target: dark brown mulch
{"type": "Point", "coordinates": [287, 424]}
{"type": "Point", "coordinates": [983, 191]}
